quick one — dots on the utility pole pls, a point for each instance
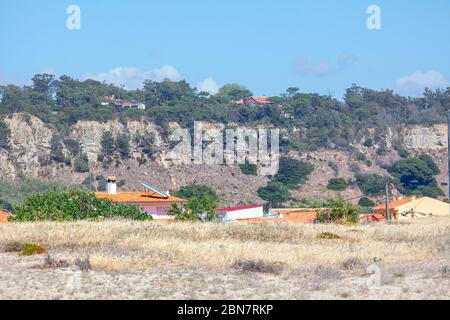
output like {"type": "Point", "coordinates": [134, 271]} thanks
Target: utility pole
{"type": "Point", "coordinates": [386, 202]}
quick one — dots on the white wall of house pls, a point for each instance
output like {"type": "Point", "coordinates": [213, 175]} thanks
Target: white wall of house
{"type": "Point", "coordinates": [256, 212]}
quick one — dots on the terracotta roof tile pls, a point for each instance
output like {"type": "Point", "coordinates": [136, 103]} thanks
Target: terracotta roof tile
{"type": "Point", "coordinates": [393, 204]}
{"type": "Point", "coordinates": [237, 208]}
{"type": "Point", "coordinates": [137, 197]}
{"type": "Point", "coordinates": [4, 216]}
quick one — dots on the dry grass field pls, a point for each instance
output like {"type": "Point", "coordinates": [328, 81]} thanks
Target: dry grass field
{"type": "Point", "coordinates": [154, 260]}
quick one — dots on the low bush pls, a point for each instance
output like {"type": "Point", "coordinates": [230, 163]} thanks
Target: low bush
{"type": "Point", "coordinates": [328, 235]}
{"type": "Point", "coordinates": [25, 249]}
{"type": "Point", "coordinates": [13, 247]}
{"type": "Point", "coordinates": [30, 249]}
{"type": "Point", "coordinates": [74, 205]}
{"type": "Point", "coordinates": [257, 266]}
{"type": "Point", "coordinates": [337, 184]}
{"type": "Point", "coordinates": [248, 169]}
{"type": "Point", "coordinates": [339, 212]}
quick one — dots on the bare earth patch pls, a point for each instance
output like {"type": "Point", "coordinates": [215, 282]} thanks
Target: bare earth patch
{"type": "Point", "coordinates": [151, 260]}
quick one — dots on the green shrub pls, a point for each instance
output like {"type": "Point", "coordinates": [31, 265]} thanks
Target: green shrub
{"type": "Point", "coordinates": [102, 185]}
{"type": "Point", "coordinates": [123, 145]}
{"type": "Point", "coordinates": [29, 249]}
{"type": "Point", "coordinates": [196, 190]}
{"type": "Point", "coordinates": [196, 209]}
{"type": "Point", "coordinates": [248, 169]}
{"type": "Point", "coordinates": [328, 235]}
{"type": "Point", "coordinates": [415, 176]}
{"type": "Point", "coordinates": [108, 143]}
{"type": "Point", "coordinates": [74, 205]}
{"type": "Point", "coordinates": [276, 193]}
{"type": "Point", "coordinates": [25, 249]}
{"type": "Point", "coordinates": [400, 148]}
{"type": "Point", "coordinates": [5, 134]}
{"type": "Point", "coordinates": [73, 146]}
{"type": "Point", "coordinates": [293, 172]}
{"type": "Point", "coordinates": [56, 149]}
{"type": "Point", "coordinates": [366, 202]}
{"type": "Point", "coordinates": [146, 142]}
{"type": "Point", "coordinates": [371, 184]}
{"type": "Point", "coordinates": [337, 184]}
{"type": "Point", "coordinates": [339, 212]}
{"type": "Point", "coordinates": [81, 163]}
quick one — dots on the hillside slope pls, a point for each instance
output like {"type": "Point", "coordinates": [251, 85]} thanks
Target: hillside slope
{"type": "Point", "coordinates": [30, 148]}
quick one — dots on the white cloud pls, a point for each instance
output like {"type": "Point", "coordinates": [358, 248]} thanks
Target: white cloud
{"type": "Point", "coordinates": [415, 83]}
{"type": "Point", "coordinates": [208, 85]}
{"type": "Point", "coordinates": [132, 78]}
{"type": "Point", "coordinates": [304, 67]}
{"type": "Point", "coordinates": [165, 72]}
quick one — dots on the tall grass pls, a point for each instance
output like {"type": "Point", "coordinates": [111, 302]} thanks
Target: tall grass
{"type": "Point", "coordinates": [118, 244]}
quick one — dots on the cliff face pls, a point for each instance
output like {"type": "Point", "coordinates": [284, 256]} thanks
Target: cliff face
{"type": "Point", "coordinates": [30, 149]}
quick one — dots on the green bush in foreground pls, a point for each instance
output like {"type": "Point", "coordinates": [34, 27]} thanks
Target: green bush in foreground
{"type": "Point", "coordinates": [74, 205]}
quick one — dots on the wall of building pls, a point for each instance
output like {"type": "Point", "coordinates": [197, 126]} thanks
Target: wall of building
{"type": "Point", "coordinates": [257, 212]}
{"type": "Point", "coordinates": [157, 211]}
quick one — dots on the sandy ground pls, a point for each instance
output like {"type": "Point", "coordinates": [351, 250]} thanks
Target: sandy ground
{"type": "Point", "coordinates": [151, 260]}
{"type": "Point", "coordinates": [22, 278]}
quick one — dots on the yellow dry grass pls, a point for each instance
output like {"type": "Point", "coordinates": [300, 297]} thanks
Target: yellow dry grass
{"type": "Point", "coordinates": [129, 245]}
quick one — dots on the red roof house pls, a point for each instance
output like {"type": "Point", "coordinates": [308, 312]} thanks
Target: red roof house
{"type": "Point", "coordinates": [5, 215]}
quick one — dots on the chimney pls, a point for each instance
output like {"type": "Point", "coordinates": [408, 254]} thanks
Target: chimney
{"type": "Point", "coordinates": [112, 187]}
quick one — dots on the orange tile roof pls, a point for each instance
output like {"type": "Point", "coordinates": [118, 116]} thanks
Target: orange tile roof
{"type": "Point", "coordinates": [393, 204]}
{"type": "Point", "coordinates": [4, 215]}
{"type": "Point", "coordinates": [293, 216]}
{"type": "Point", "coordinates": [137, 197]}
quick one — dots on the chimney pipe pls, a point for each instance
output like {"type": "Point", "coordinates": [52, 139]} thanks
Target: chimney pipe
{"type": "Point", "coordinates": [112, 187]}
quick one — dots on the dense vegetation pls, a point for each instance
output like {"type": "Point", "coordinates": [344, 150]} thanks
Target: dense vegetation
{"type": "Point", "coordinates": [415, 176]}
{"type": "Point", "coordinates": [4, 135]}
{"type": "Point", "coordinates": [293, 172]}
{"type": "Point", "coordinates": [275, 192]}
{"type": "Point", "coordinates": [337, 184]}
{"type": "Point", "coordinates": [201, 205]}
{"type": "Point", "coordinates": [74, 205]}
{"type": "Point", "coordinates": [326, 121]}
{"type": "Point", "coordinates": [248, 169]}
{"type": "Point", "coordinates": [323, 120]}
{"type": "Point", "coordinates": [371, 184]}
{"type": "Point", "coordinates": [340, 211]}
{"type": "Point", "coordinates": [196, 190]}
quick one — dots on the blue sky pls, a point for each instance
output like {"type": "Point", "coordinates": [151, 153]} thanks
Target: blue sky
{"type": "Point", "coordinates": [318, 46]}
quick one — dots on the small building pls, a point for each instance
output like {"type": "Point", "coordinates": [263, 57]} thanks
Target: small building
{"type": "Point", "coordinates": [151, 200]}
{"type": "Point", "coordinates": [241, 212]}
{"type": "Point", "coordinates": [4, 216]}
{"type": "Point", "coordinates": [121, 103]}
{"type": "Point", "coordinates": [253, 101]}
{"type": "Point", "coordinates": [414, 207]}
